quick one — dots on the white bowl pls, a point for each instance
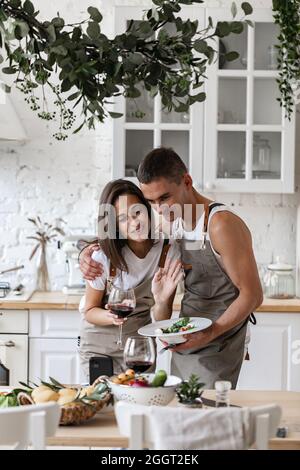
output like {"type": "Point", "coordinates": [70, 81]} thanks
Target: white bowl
{"type": "Point", "coordinates": [146, 395]}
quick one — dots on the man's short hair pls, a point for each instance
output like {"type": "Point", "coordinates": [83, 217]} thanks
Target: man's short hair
{"type": "Point", "coordinates": [161, 163]}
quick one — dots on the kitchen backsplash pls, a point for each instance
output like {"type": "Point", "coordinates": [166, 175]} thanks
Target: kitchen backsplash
{"type": "Point", "coordinates": [64, 179]}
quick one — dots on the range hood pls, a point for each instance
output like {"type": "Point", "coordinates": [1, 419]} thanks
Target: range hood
{"type": "Point", "coordinates": [11, 127]}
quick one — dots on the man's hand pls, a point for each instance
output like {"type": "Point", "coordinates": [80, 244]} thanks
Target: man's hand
{"type": "Point", "coordinates": [90, 268]}
{"type": "Point", "coordinates": [196, 340]}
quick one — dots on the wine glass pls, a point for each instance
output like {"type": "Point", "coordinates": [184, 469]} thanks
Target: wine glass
{"type": "Point", "coordinates": [139, 353]}
{"type": "Point", "coordinates": [121, 302]}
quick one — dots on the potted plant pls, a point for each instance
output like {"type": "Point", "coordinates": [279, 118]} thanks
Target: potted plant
{"type": "Point", "coordinates": [189, 392]}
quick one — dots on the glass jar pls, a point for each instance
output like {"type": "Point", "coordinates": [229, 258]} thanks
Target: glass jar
{"type": "Point", "coordinates": [223, 388]}
{"type": "Point", "coordinates": [280, 281]}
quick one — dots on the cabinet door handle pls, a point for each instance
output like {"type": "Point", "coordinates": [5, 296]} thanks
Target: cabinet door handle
{"type": "Point", "coordinates": [8, 344]}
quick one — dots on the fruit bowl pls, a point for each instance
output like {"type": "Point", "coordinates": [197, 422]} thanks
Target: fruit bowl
{"type": "Point", "coordinates": [146, 395]}
{"type": "Point", "coordinates": [77, 404]}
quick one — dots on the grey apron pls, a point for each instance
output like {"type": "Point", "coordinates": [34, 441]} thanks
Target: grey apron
{"type": "Point", "coordinates": [208, 293]}
{"type": "Point", "coordinates": [97, 340]}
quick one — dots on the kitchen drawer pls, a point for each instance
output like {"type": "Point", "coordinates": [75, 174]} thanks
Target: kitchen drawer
{"type": "Point", "coordinates": [54, 323]}
{"type": "Point", "coordinates": [15, 357]}
{"type": "Point", "coordinates": [13, 321]}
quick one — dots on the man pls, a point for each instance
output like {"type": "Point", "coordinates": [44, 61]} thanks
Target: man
{"type": "Point", "coordinates": [221, 282]}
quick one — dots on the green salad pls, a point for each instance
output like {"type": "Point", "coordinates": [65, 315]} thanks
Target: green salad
{"type": "Point", "coordinates": [184, 324]}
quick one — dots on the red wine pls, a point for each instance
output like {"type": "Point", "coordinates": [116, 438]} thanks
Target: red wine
{"type": "Point", "coordinates": [121, 310]}
{"type": "Point", "coordinates": [139, 366]}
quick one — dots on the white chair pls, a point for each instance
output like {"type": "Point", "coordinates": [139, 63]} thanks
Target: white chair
{"type": "Point", "coordinates": [28, 425]}
{"type": "Point", "coordinates": [259, 424]}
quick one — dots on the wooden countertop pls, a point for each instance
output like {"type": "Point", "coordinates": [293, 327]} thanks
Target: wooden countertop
{"type": "Point", "coordinates": [56, 300]}
{"type": "Point", "coordinates": [102, 431]}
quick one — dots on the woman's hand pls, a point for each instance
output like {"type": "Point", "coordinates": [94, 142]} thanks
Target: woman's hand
{"type": "Point", "coordinates": [166, 280]}
{"type": "Point", "coordinates": [90, 268]}
{"type": "Point", "coordinates": [112, 318]}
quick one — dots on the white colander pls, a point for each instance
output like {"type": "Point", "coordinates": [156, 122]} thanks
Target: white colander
{"type": "Point", "coordinates": [146, 395]}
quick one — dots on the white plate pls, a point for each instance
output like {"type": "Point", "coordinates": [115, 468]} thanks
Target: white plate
{"type": "Point", "coordinates": [200, 323]}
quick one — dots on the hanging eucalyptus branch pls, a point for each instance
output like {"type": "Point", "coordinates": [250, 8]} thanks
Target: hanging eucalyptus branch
{"type": "Point", "coordinates": [287, 15]}
{"type": "Point", "coordinates": [92, 69]}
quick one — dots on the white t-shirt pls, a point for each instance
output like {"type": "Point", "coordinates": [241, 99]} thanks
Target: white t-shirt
{"type": "Point", "coordinates": [140, 269]}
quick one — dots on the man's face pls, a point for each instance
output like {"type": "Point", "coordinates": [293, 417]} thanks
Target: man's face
{"type": "Point", "coordinates": [162, 194]}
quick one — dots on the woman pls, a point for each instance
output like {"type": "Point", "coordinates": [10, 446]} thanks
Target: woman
{"type": "Point", "coordinates": [132, 258]}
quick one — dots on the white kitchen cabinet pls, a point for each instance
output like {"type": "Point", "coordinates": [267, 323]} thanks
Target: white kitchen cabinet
{"type": "Point", "coordinates": [53, 345]}
{"type": "Point", "coordinates": [54, 357]}
{"type": "Point", "coordinates": [239, 139]}
{"type": "Point", "coordinates": [274, 354]}
{"type": "Point", "coordinates": [249, 144]}
{"type": "Point", "coordinates": [135, 137]}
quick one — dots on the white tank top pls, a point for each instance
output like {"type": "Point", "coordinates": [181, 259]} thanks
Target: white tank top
{"type": "Point", "coordinates": [178, 231]}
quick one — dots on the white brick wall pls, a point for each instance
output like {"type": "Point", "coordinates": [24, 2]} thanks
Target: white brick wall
{"type": "Point", "coordinates": [55, 179]}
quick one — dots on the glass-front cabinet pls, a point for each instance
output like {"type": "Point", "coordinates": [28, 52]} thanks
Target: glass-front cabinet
{"type": "Point", "coordinates": [248, 143]}
{"type": "Point", "coordinates": [135, 133]}
{"type": "Point", "coordinates": [239, 139]}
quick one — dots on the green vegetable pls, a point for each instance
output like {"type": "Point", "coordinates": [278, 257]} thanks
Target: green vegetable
{"type": "Point", "coordinates": [175, 328]}
{"type": "Point", "coordinates": [6, 401]}
{"type": "Point", "coordinates": [159, 378]}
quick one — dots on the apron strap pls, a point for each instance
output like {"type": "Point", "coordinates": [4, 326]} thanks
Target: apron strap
{"type": "Point", "coordinates": [207, 210]}
{"type": "Point", "coordinates": [164, 253]}
{"type": "Point", "coordinates": [112, 271]}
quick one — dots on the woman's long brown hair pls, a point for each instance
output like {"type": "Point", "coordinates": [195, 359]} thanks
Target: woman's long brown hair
{"type": "Point", "coordinates": [112, 247]}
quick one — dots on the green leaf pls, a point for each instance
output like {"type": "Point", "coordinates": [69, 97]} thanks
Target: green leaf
{"type": "Point", "coordinates": [9, 70]}
{"type": "Point", "coordinates": [145, 29]}
{"type": "Point", "coordinates": [236, 27]}
{"type": "Point", "coordinates": [59, 50]}
{"type": "Point", "coordinates": [223, 29]}
{"type": "Point", "coordinates": [28, 7]}
{"type": "Point", "coordinates": [136, 58]}
{"type": "Point", "coordinates": [79, 128]}
{"type": "Point", "coordinates": [74, 96]}
{"type": "Point", "coordinates": [21, 29]}
{"type": "Point", "coordinates": [93, 30]}
{"type": "Point", "coordinates": [15, 3]}
{"type": "Point", "coordinates": [198, 98]}
{"type": "Point", "coordinates": [58, 22]}
{"type": "Point", "coordinates": [233, 9]}
{"type": "Point", "coordinates": [95, 14]}
{"type": "Point", "coordinates": [66, 85]}
{"type": "Point", "coordinates": [51, 32]}
{"type": "Point", "coordinates": [133, 92]}
{"type": "Point", "coordinates": [200, 46]}
{"type": "Point", "coordinates": [182, 108]}
{"type": "Point", "coordinates": [115, 115]}
{"type": "Point", "coordinates": [56, 383]}
{"type": "Point", "coordinates": [247, 8]}
{"type": "Point", "coordinates": [230, 56]}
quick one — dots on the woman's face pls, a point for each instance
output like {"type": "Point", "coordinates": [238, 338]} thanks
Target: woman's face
{"type": "Point", "coordinates": [132, 218]}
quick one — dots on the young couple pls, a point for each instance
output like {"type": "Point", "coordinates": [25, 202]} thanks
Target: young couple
{"type": "Point", "coordinates": [222, 281]}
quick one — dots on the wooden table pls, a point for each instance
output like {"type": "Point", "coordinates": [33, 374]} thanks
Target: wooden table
{"type": "Point", "coordinates": [102, 431]}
